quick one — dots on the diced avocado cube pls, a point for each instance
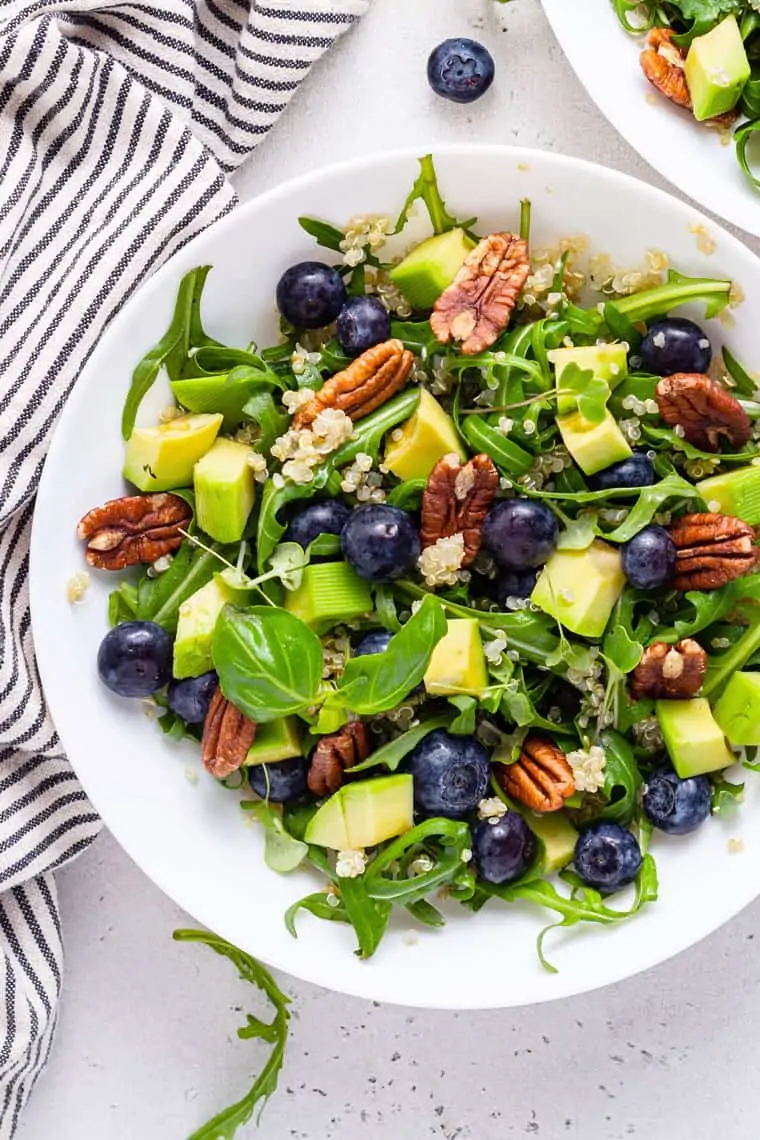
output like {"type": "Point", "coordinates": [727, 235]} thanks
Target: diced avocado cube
{"type": "Point", "coordinates": [329, 592]}
{"type": "Point", "coordinates": [215, 393]}
{"type": "Point", "coordinates": [556, 835]}
{"type": "Point", "coordinates": [162, 458]}
{"type": "Point", "coordinates": [195, 628]}
{"type": "Point", "coordinates": [737, 710]}
{"type": "Point", "coordinates": [717, 69]}
{"type": "Point", "coordinates": [276, 740]}
{"type": "Point", "coordinates": [734, 493]}
{"type": "Point", "coordinates": [593, 446]}
{"type": "Point", "coordinates": [363, 814]}
{"type": "Point", "coordinates": [693, 738]}
{"type": "Point", "coordinates": [458, 665]}
{"type": "Point", "coordinates": [426, 437]}
{"type": "Point", "coordinates": [580, 587]}
{"type": "Point", "coordinates": [431, 267]}
{"type": "Point", "coordinates": [224, 490]}
{"type": "Point", "coordinates": [607, 361]}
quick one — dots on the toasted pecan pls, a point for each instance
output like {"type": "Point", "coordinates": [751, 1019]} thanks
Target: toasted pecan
{"type": "Point", "coordinates": [367, 383]}
{"type": "Point", "coordinates": [542, 778]}
{"type": "Point", "coordinates": [669, 672]}
{"type": "Point", "coordinates": [708, 414]}
{"type": "Point", "coordinates": [711, 549]}
{"type": "Point", "coordinates": [227, 735]}
{"type": "Point", "coordinates": [456, 501]}
{"type": "Point", "coordinates": [136, 528]}
{"type": "Point", "coordinates": [663, 64]}
{"type": "Point", "coordinates": [477, 306]}
{"type": "Point", "coordinates": [336, 753]}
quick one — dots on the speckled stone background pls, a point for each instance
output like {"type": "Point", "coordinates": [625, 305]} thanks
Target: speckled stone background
{"type": "Point", "coordinates": [147, 1047]}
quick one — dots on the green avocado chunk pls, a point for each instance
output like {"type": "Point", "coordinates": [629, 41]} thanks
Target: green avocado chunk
{"type": "Point", "coordinates": [329, 592]}
{"type": "Point", "coordinates": [693, 738]}
{"type": "Point", "coordinates": [363, 814]}
{"type": "Point", "coordinates": [717, 69]}
{"type": "Point", "coordinates": [737, 710]}
{"type": "Point", "coordinates": [431, 267]}
{"type": "Point", "coordinates": [162, 458]}
{"type": "Point", "coordinates": [734, 493]}
{"type": "Point", "coordinates": [197, 619]}
{"type": "Point", "coordinates": [276, 740]}
{"type": "Point", "coordinates": [224, 490]}
{"type": "Point", "coordinates": [593, 446]}
{"type": "Point", "coordinates": [581, 587]}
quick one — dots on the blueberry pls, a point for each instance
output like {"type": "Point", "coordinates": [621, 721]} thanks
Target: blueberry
{"type": "Point", "coordinates": [607, 856]}
{"type": "Point", "coordinates": [515, 584]}
{"type": "Point", "coordinates": [135, 659]}
{"type": "Point", "coordinates": [675, 805]}
{"type": "Point", "coordinates": [450, 774]}
{"type": "Point", "coordinates": [649, 559]}
{"type": "Point", "coordinates": [380, 542]}
{"type": "Point", "coordinates": [371, 643]}
{"type": "Point", "coordinates": [502, 849]}
{"type": "Point", "coordinates": [675, 345]}
{"type": "Point", "coordinates": [327, 516]}
{"type": "Point", "coordinates": [362, 323]}
{"type": "Point", "coordinates": [461, 70]}
{"type": "Point", "coordinates": [281, 782]}
{"type": "Point", "coordinates": [520, 533]}
{"type": "Point", "coordinates": [310, 295]}
{"type": "Point", "coordinates": [191, 697]}
{"type": "Point", "coordinates": [635, 471]}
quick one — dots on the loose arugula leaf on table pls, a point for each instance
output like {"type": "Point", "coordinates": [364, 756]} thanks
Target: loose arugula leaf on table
{"type": "Point", "coordinates": [426, 189]}
{"type": "Point", "coordinates": [269, 662]}
{"type": "Point", "coordinates": [275, 1032]}
{"type": "Point", "coordinates": [184, 333]}
{"type": "Point", "coordinates": [282, 852]}
{"type": "Point", "coordinates": [392, 753]}
{"type": "Point", "coordinates": [374, 684]}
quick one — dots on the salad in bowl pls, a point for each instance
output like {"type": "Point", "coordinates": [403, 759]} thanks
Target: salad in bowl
{"type": "Point", "coordinates": [456, 582]}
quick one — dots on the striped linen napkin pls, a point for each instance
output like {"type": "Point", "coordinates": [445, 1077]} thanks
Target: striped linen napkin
{"type": "Point", "coordinates": [119, 123]}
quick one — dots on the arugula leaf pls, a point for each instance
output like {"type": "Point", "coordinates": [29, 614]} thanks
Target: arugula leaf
{"type": "Point", "coordinates": [122, 604]}
{"type": "Point", "coordinates": [448, 867]}
{"type": "Point", "coordinates": [506, 454]}
{"type": "Point", "coordinates": [745, 385]}
{"type": "Point", "coordinates": [426, 913]}
{"type": "Point", "coordinates": [368, 916]}
{"type": "Point", "coordinates": [418, 337]}
{"type": "Point", "coordinates": [426, 188]}
{"type": "Point", "coordinates": [648, 504]}
{"type": "Point", "coordinates": [273, 499]}
{"type": "Point", "coordinates": [269, 662]}
{"type": "Point", "coordinates": [282, 852]}
{"type": "Point", "coordinates": [590, 393]}
{"type": "Point", "coordinates": [226, 1123]}
{"type": "Point", "coordinates": [464, 723]}
{"type": "Point", "coordinates": [724, 795]}
{"type": "Point", "coordinates": [329, 237]}
{"type": "Point", "coordinates": [260, 408]}
{"type": "Point", "coordinates": [159, 598]}
{"type": "Point", "coordinates": [668, 437]}
{"type": "Point", "coordinates": [622, 778]}
{"type": "Point", "coordinates": [662, 299]}
{"type": "Point", "coordinates": [184, 333]}
{"type": "Point", "coordinates": [621, 649]}
{"type": "Point", "coordinates": [370, 431]}
{"type": "Point", "coordinates": [707, 11]}
{"type": "Point", "coordinates": [719, 669]}
{"type": "Point", "coordinates": [579, 533]}
{"type": "Point", "coordinates": [407, 495]}
{"type": "Point", "coordinates": [385, 608]}
{"type": "Point", "coordinates": [317, 905]}
{"type": "Point", "coordinates": [374, 684]}
{"type": "Point", "coordinates": [392, 753]}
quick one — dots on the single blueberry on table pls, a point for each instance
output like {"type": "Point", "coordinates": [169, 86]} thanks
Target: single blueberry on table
{"type": "Point", "coordinates": [281, 782]}
{"type": "Point", "coordinates": [326, 516]}
{"type": "Point", "coordinates": [635, 471]}
{"type": "Point", "coordinates": [135, 659]}
{"type": "Point", "coordinates": [190, 698]}
{"type": "Point", "coordinates": [503, 849]}
{"type": "Point", "coordinates": [460, 69]}
{"type": "Point", "coordinates": [675, 345]}
{"type": "Point", "coordinates": [649, 559]}
{"type": "Point", "coordinates": [450, 774]}
{"type": "Point", "coordinates": [674, 805]}
{"type": "Point", "coordinates": [310, 295]}
{"type": "Point", "coordinates": [607, 856]}
{"type": "Point", "coordinates": [520, 533]}
{"type": "Point", "coordinates": [380, 542]}
{"type": "Point", "coordinates": [515, 584]}
{"type": "Point", "coordinates": [362, 323]}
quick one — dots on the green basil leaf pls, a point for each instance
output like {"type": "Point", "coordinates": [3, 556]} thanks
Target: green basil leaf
{"type": "Point", "coordinates": [392, 753]}
{"type": "Point", "coordinates": [269, 662]}
{"type": "Point", "coordinates": [648, 504]}
{"type": "Point", "coordinates": [375, 684]}
{"type": "Point", "coordinates": [282, 852]}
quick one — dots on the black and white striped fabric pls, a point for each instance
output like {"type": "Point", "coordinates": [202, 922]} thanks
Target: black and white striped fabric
{"type": "Point", "coordinates": [119, 121]}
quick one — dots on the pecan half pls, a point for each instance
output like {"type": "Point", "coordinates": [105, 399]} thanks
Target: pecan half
{"type": "Point", "coordinates": [476, 307]}
{"type": "Point", "coordinates": [137, 528]}
{"type": "Point", "coordinates": [334, 754]}
{"type": "Point", "coordinates": [704, 409]}
{"type": "Point", "coordinates": [456, 501]}
{"type": "Point", "coordinates": [669, 672]}
{"type": "Point", "coordinates": [541, 779]}
{"type": "Point", "coordinates": [227, 736]}
{"type": "Point", "coordinates": [367, 383]}
{"type": "Point", "coordinates": [663, 64]}
{"type": "Point", "coordinates": [711, 550]}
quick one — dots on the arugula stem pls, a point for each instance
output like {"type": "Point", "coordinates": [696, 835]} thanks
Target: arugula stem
{"type": "Point", "coordinates": [525, 208]}
{"type": "Point", "coordinates": [653, 302]}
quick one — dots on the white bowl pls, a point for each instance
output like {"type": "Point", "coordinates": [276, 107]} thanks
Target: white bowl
{"type": "Point", "coordinates": [190, 838]}
{"type": "Point", "coordinates": [606, 60]}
